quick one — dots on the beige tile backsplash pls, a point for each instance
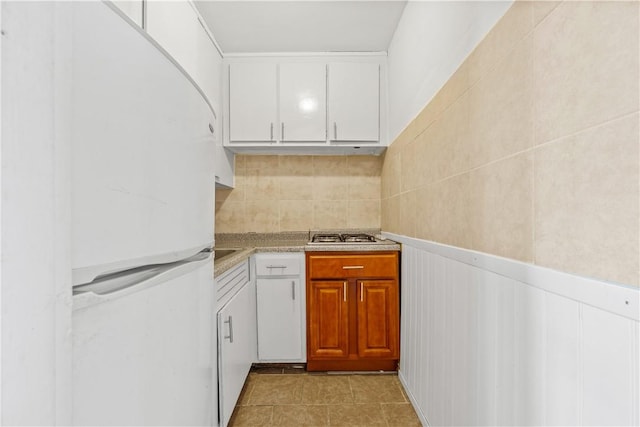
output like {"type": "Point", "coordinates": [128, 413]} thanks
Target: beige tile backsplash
{"type": "Point", "coordinates": [531, 149]}
{"type": "Point", "coordinates": [297, 193]}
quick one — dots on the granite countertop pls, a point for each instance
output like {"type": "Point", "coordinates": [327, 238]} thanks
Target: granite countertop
{"type": "Point", "coordinates": [250, 243]}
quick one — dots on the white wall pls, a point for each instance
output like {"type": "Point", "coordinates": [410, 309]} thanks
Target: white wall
{"type": "Point", "coordinates": [432, 39]}
{"type": "Point", "coordinates": [492, 341]}
{"type": "Point", "coordinates": [35, 311]}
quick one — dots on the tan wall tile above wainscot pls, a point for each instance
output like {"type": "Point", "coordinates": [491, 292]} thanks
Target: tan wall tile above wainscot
{"type": "Point", "coordinates": [501, 208]}
{"type": "Point", "coordinates": [265, 163]}
{"type": "Point", "coordinates": [408, 214]}
{"type": "Point", "coordinates": [512, 27]}
{"type": "Point", "coordinates": [587, 202]}
{"type": "Point", "coordinates": [444, 211]}
{"type": "Point", "coordinates": [501, 107]}
{"type": "Point", "coordinates": [542, 8]}
{"type": "Point", "coordinates": [391, 173]}
{"type": "Point", "coordinates": [586, 66]}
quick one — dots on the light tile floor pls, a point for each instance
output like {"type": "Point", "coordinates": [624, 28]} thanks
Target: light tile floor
{"type": "Point", "coordinates": [320, 399]}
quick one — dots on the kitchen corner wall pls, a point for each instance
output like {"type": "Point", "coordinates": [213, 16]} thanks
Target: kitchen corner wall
{"type": "Point", "coordinates": [297, 193]}
{"type": "Point", "coordinates": [530, 151]}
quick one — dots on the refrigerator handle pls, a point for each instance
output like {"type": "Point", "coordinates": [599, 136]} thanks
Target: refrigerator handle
{"type": "Point", "coordinates": [91, 294]}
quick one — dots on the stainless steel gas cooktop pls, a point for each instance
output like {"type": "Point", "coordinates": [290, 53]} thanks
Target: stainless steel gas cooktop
{"type": "Point", "coordinates": [344, 238]}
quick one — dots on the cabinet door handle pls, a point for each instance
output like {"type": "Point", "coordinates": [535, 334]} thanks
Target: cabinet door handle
{"type": "Point", "coordinates": [230, 323]}
{"type": "Point", "coordinates": [352, 267]}
{"type": "Point", "coordinates": [271, 131]}
{"type": "Point", "coordinates": [335, 131]}
{"type": "Point", "coordinates": [276, 266]}
{"type": "Point", "coordinates": [293, 290]}
{"type": "Point", "coordinates": [361, 291]}
{"type": "Point", "coordinates": [344, 291]}
{"type": "Point", "coordinates": [282, 131]}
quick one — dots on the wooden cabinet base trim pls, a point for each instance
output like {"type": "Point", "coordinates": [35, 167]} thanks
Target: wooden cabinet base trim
{"type": "Point", "coordinates": [352, 365]}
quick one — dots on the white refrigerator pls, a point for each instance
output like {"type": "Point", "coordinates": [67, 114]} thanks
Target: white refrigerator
{"type": "Point", "coordinates": [142, 229]}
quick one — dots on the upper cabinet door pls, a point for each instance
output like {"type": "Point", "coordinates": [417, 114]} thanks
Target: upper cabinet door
{"type": "Point", "coordinates": [303, 89]}
{"type": "Point", "coordinates": [354, 106]}
{"type": "Point", "coordinates": [253, 102]}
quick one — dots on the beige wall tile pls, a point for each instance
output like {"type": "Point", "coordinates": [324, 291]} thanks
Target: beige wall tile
{"type": "Point", "coordinates": [448, 145]}
{"type": "Point", "coordinates": [364, 188]}
{"type": "Point", "coordinates": [391, 171]}
{"type": "Point", "coordinates": [408, 167]}
{"type": "Point", "coordinates": [587, 195]}
{"type": "Point", "coordinates": [453, 89]}
{"type": "Point", "coordinates": [444, 213]}
{"type": "Point", "coordinates": [330, 166]}
{"type": "Point", "coordinates": [296, 215]}
{"type": "Point", "coordinates": [586, 66]}
{"type": "Point", "coordinates": [391, 214]}
{"type": "Point", "coordinates": [501, 108]}
{"type": "Point", "coordinates": [262, 216]}
{"type": "Point", "coordinates": [329, 215]}
{"type": "Point", "coordinates": [295, 188]}
{"type": "Point", "coordinates": [363, 214]}
{"type": "Point", "coordinates": [260, 185]}
{"type": "Point", "coordinates": [542, 8]}
{"type": "Point", "coordinates": [513, 26]}
{"type": "Point", "coordinates": [330, 188]}
{"type": "Point", "coordinates": [407, 213]}
{"type": "Point", "coordinates": [501, 208]}
{"type": "Point", "coordinates": [265, 163]}
{"type": "Point", "coordinates": [295, 166]}
{"type": "Point", "coordinates": [230, 217]}
{"type": "Point", "coordinates": [364, 165]}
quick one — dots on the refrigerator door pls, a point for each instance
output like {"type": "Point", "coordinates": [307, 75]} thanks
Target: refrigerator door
{"type": "Point", "coordinates": [142, 351]}
{"type": "Point", "coordinates": [142, 151]}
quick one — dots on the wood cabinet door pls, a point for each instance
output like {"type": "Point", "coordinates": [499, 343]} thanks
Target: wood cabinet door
{"type": "Point", "coordinates": [328, 319]}
{"type": "Point", "coordinates": [378, 318]}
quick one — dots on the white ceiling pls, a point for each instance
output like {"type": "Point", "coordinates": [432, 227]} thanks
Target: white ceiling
{"type": "Point", "coordinates": [302, 26]}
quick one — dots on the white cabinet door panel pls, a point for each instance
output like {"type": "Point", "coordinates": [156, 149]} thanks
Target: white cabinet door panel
{"type": "Point", "coordinates": [303, 108]}
{"type": "Point", "coordinates": [236, 347]}
{"type": "Point", "coordinates": [354, 106]}
{"type": "Point", "coordinates": [279, 319]}
{"type": "Point", "coordinates": [253, 102]}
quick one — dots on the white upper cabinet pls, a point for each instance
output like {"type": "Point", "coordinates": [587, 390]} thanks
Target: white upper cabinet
{"type": "Point", "coordinates": [303, 88]}
{"type": "Point", "coordinates": [305, 104]}
{"type": "Point", "coordinates": [354, 101]}
{"type": "Point", "coordinates": [253, 104]}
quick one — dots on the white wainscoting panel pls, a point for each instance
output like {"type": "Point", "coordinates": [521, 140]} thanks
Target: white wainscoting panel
{"type": "Point", "coordinates": [491, 341]}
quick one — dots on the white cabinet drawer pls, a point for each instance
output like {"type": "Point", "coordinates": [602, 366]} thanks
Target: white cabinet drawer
{"type": "Point", "coordinates": [278, 264]}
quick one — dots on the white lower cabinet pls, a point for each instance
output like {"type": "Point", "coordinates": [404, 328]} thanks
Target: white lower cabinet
{"type": "Point", "coordinates": [236, 321]}
{"type": "Point", "coordinates": [280, 307]}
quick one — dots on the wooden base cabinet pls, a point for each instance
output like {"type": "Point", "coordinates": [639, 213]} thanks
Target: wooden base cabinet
{"type": "Point", "coordinates": [352, 311]}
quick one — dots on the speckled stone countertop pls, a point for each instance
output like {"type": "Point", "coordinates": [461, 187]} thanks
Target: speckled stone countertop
{"type": "Point", "coordinates": [250, 243]}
